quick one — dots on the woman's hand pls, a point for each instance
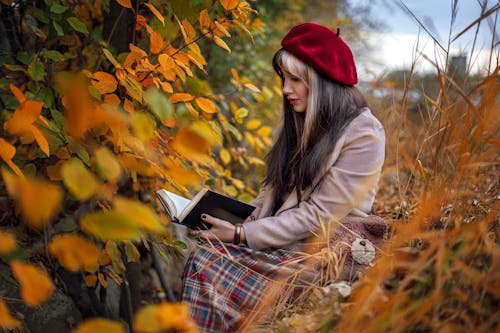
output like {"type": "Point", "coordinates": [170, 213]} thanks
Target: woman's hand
{"type": "Point", "coordinates": [221, 230]}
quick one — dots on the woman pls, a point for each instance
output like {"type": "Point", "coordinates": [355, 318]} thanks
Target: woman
{"type": "Point", "coordinates": [323, 166]}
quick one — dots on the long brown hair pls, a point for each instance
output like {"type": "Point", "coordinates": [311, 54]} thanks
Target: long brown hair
{"type": "Point", "coordinates": [304, 141]}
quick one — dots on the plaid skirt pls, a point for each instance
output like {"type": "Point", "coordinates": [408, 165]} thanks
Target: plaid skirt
{"type": "Point", "coordinates": [226, 285]}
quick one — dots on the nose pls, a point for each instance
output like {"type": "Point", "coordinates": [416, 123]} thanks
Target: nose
{"type": "Point", "coordinates": [286, 88]}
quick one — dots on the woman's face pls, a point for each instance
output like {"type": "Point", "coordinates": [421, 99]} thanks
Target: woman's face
{"type": "Point", "coordinates": [296, 91]}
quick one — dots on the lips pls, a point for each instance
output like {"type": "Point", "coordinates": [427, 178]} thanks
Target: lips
{"type": "Point", "coordinates": [293, 101]}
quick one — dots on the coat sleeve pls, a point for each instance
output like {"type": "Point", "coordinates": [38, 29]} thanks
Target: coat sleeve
{"type": "Point", "coordinates": [351, 180]}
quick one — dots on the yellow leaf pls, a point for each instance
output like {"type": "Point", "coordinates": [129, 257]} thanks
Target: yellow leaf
{"type": "Point", "coordinates": [206, 105]}
{"type": "Point", "coordinates": [155, 42]}
{"type": "Point", "coordinates": [155, 12]}
{"type": "Point", "coordinates": [229, 4]}
{"type": "Point", "coordinates": [142, 215]}
{"type": "Point", "coordinates": [264, 131]}
{"type": "Point", "coordinates": [253, 124]}
{"type": "Point", "coordinates": [250, 139]}
{"type": "Point", "coordinates": [252, 87]}
{"type": "Point", "coordinates": [222, 29]}
{"type": "Point", "coordinates": [6, 320]}
{"type": "Point", "coordinates": [225, 156]}
{"type": "Point", "coordinates": [144, 127]}
{"type": "Point", "coordinates": [7, 152]}
{"type": "Point", "coordinates": [111, 225]}
{"type": "Point", "coordinates": [235, 75]}
{"type": "Point", "coordinates": [74, 252]}
{"type": "Point", "coordinates": [221, 43]}
{"type": "Point", "coordinates": [7, 242]}
{"type": "Point", "coordinates": [164, 317]}
{"type": "Point", "coordinates": [36, 285]}
{"type": "Point", "coordinates": [180, 97]}
{"type": "Point", "coordinates": [134, 88]}
{"type": "Point", "coordinates": [78, 179]}
{"type": "Point", "coordinates": [192, 110]}
{"type": "Point", "coordinates": [111, 58]}
{"type": "Point", "coordinates": [192, 145]}
{"type": "Point", "coordinates": [99, 325]}
{"type": "Point", "coordinates": [125, 3]}
{"type": "Point", "coordinates": [107, 165]}
{"type": "Point", "coordinates": [104, 82]}
{"type": "Point", "coordinates": [205, 21]}
{"type": "Point", "coordinates": [27, 191]}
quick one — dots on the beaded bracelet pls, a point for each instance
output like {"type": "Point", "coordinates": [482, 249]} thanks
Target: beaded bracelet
{"type": "Point", "coordinates": [237, 233]}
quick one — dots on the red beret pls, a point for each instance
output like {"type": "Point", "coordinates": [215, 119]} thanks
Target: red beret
{"type": "Point", "coordinates": [322, 49]}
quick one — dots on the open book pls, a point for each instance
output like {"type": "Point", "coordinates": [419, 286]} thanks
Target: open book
{"type": "Point", "coordinates": [188, 212]}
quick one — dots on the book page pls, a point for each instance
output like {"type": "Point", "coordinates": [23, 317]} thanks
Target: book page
{"type": "Point", "coordinates": [187, 208]}
{"type": "Point", "coordinates": [179, 202]}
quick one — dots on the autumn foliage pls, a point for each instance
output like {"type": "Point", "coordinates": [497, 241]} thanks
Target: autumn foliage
{"type": "Point", "coordinates": [88, 133]}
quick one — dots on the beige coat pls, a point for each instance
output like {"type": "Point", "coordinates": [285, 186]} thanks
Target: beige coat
{"type": "Point", "coordinates": [346, 186]}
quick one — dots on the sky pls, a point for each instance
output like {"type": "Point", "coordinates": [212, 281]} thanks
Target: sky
{"type": "Point", "coordinates": [394, 48]}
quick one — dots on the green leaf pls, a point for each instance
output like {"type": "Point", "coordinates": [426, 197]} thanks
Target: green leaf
{"type": "Point", "coordinates": [133, 254]}
{"type": "Point", "coordinates": [58, 29]}
{"type": "Point", "coordinates": [58, 9]}
{"type": "Point", "coordinates": [23, 57]}
{"type": "Point", "coordinates": [159, 104]}
{"type": "Point", "coordinates": [38, 32]}
{"type": "Point", "coordinates": [36, 71]}
{"type": "Point", "coordinates": [15, 68]}
{"type": "Point", "coordinates": [180, 245]}
{"type": "Point", "coordinates": [53, 55]}
{"type": "Point", "coordinates": [78, 25]}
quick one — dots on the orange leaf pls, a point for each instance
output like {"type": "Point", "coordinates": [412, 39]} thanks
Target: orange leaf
{"type": "Point", "coordinates": [36, 285]}
{"type": "Point", "coordinates": [229, 4]}
{"type": "Point", "coordinates": [155, 12]}
{"type": "Point", "coordinates": [205, 21]}
{"type": "Point", "coordinates": [105, 82]}
{"type": "Point", "coordinates": [140, 21]}
{"type": "Point", "coordinates": [78, 179]}
{"type": "Point", "coordinates": [7, 152]}
{"type": "Point", "coordinates": [180, 97]}
{"type": "Point", "coordinates": [192, 110]}
{"type": "Point", "coordinates": [17, 93]}
{"type": "Point", "coordinates": [22, 119]}
{"type": "Point", "coordinates": [28, 191]}
{"type": "Point", "coordinates": [155, 42]}
{"type": "Point", "coordinates": [74, 252]}
{"type": "Point", "coordinates": [206, 105]}
{"type": "Point", "coordinates": [221, 43]}
{"type": "Point", "coordinates": [95, 325]}
{"type": "Point", "coordinates": [190, 32]}
{"type": "Point", "coordinates": [125, 3]}
{"type": "Point", "coordinates": [6, 320]}
{"type": "Point", "coordinates": [222, 29]}
{"type": "Point", "coordinates": [90, 280]}
{"type": "Point", "coordinates": [164, 317]}
{"type": "Point", "coordinates": [166, 61]}
{"type": "Point", "coordinates": [7, 242]}
{"type": "Point", "coordinates": [40, 139]}
{"type": "Point", "coordinates": [235, 75]}
{"type": "Point", "coordinates": [252, 87]}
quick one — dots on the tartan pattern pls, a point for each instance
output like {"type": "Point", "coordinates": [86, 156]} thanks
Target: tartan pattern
{"type": "Point", "coordinates": [223, 283]}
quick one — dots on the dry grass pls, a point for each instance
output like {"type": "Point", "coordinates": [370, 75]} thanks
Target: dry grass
{"type": "Point", "coordinates": [439, 271]}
